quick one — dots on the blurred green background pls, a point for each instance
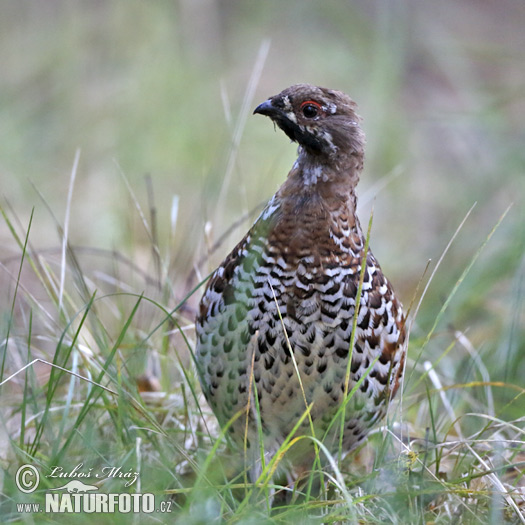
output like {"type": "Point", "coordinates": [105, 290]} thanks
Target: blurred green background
{"type": "Point", "coordinates": [156, 89]}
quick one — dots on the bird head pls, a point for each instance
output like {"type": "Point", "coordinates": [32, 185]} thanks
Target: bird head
{"type": "Point", "coordinates": [322, 121]}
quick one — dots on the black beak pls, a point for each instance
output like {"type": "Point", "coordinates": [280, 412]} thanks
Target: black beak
{"type": "Point", "coordinates": [266, 108]}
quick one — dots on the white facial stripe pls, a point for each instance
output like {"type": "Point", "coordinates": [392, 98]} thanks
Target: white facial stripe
{"type": "Point", "coordinates": [329, 108]}
{"type": "Point", "coordinates": [289, 109]}
{"type": "Point", "coordinates": [287, 103]}
{"type": "Point", "coordinates": [324, 135]}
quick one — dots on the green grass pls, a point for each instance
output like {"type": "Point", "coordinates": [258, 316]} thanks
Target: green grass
{"type": "Point", "coordinates": [99, 282]}
{"type": "Point", "coordinates": [448, 449]}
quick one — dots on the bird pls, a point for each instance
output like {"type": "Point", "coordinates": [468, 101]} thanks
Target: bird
{"type": "Point", "coordinates": [274, 325]}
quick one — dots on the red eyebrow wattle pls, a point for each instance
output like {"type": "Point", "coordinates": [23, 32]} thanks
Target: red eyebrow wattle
{"type": "Point", "coordinates": [311, 102]}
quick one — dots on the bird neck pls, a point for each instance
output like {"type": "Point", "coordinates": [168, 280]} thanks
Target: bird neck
{"type": "Point", "coordinates": [325, 177]}
{"type": "Point", "coordinates": [314, 168]}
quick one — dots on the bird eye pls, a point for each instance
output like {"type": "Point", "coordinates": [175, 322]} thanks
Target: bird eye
{"type": "Point", "coordinates": [310, 109]}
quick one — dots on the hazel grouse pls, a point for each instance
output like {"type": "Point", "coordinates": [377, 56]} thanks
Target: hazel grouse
{"type": "Point", "coordinates": [286, 296]}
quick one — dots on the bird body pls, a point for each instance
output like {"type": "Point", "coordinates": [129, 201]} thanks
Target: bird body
{"type": "Point", "coordinates": [276, 317]}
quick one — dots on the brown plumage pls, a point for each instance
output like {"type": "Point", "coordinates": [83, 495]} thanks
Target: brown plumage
{"type": "Point", "coordinates": [291, 282]}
